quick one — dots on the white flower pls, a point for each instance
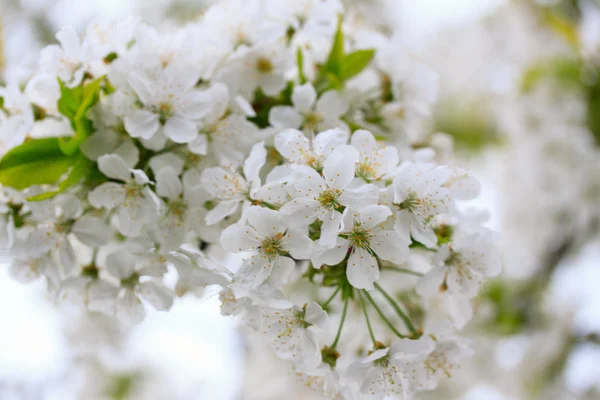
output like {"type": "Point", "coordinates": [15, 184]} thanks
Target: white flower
{"type": "Point", "coordinates": [270, 240]}
{"type": "Point", "coordinates": [447, 356]}
{"type": "Point", "coordinates": [16, 118]}
{"type": "Point", "coordinates": [136, 203]}
{"type": "Point", "coordinates": [364, 238]}
{"type": "Point", "coordinates": [463, 264]}
{"type": "Point", "coordinates": [389, 371]}
{"type": "Point", "coordinates": [323, 197]}
{"type": "Point", "coordinates": [67, 60]}
{"type": "Point", "coordinates": [295, 147]}
{"type": "Point", "coordinates": [419, 197]}
{"type": "Point", "coordinates": [293, 332]}
{"type": "Point", "coordinates": [129, 309]}
{"type": "Point", "coordinates": [260, 66]}
{"type": "Point", "coordinates": [196, 272]}
{"type": "Point", "coordinates": [219, 134]}
{"type": "Point", "coordinates": [376, 161]}
{"type": "Point", "coordinates": [309, 113]}
{"type": "Point", "coordinates": [229, 188]}
{"type": "Point", "coordinates": [184, 209]}
{"type": "Point", "coordinates": [166, 102]}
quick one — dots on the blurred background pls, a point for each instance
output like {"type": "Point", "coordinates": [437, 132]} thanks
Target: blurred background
{"type": "Point", "coordinates": [519, 93]}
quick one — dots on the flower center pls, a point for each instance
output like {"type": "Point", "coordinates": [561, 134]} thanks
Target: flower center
{"type": "Point", "coordinates": [264, 66]}
{"type": "Point", "coordinates": [359, 237]}
{"type": "Point", "coordinates": [366, 171]}
{"type": "Point", "coordinates": [312, 120]}
{"type": "Point", "coordinates": [410, 203]}
{"type": "Point", "coordinates": [329, 198]}
{"type": "Point", "coordinates": [272, 246]}
{"type": "Point", "coordinates": [164, 112]}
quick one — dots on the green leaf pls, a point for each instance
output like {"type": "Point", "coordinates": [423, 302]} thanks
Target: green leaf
{"type": "Point", "coordinates": [355, 62]}
{"type": "Point", "coordinates": [80, 169]}
{"type": "Point", "coordinates": [74, 103]}
{"type": "Point", "coordinates": [41, 172]}
{"type": "Point", "coordinates": [69, 100]}
{"type": "Point", "coordinates": [564, 71]}
{"type": "Point", "coordinates": [300, 64]}
{"type": "Point", "coordinates": [91, 95]}
{"type": "Point", "coordinates": [336, 54]}
{"type": "Point", "coordinates": [30, 151]}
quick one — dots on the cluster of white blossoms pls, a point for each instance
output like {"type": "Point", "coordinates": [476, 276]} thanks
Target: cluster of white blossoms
{"type": "Point", "coordinates": [278, 131]}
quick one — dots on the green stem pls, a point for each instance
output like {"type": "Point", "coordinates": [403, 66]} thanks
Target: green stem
{"type": "Point", "coordinates": [364, 308]}
{"type": "Point", "coordinates": [402, 270]}
{"type": "Point", "coordinates": [400, 312]}
{"type": "Point", "coordinates": [331, 298]}
{"type": "Point", "coordinates": [382, 315]}
{"type": "Point", "coordinates": [339, 332]}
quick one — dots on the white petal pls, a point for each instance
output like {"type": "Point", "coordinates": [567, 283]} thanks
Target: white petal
{"type": "Point", "coordinates": [332, 256]}
{"type": "Point", "coordinates": [254, 163]}
{"type": "Point", "coordinates": [141, 124]}
{"type": "Point", "coordinates": [390, 246]}
{"type": "Point", "coordinates": [299, 245]}
{"type": "Point", "coordinates": [108, 195]}
{"type": "Point", "coordinates": [402, 224]}
{"type": "Point", "coordinates": [423, 233]}
{"type": "Point", "coordinates": [281, 269]}
{"type": "Point", "coordinates": [338, 167]}
{"type": "Point", "coordinates": [364, 142]}
{"type": "Point", "coordinates": [362, 270]}
{"type": "Point", "coordinates": [267, 222]}
{"type": "Point", "coordinates": [142, 86]}
{"type": "Point", "coordinates": [199, 145]}
{"type": "Point", "coordinates": [303, 97]}
{"type": "Point", "coordinates": [360, 197]}
{"type": "Point", "coordinates": [69, 41]}
{"type": "Point", "coordinates": [169, 160]}
{"type": "Point", "coordinates": [91, 231]}
{"type": "Point", "coordinates": [292, 145]}
{"type": "Point", "coordinates": [221, 211]}
{"type": "Point", "coordinates": [315, 315]}
{"type": "Point", "coordinates": [237, 238]}
{"type": "Point", "coordinates": [311, 352]}
{"type": "Point", "coordinates": [300, 212]}
{"type": "Point", "coordinates": [327, 141]}
{"type": "Point", "coordinates": [155, 293]}
{"type": "Point", "coordinates": [431, 282]}
{"type": "Point", "coordinates": [253, 272]}
{"type": "Point", "coordinates": [130, 310]}
{"type": "Point", "coordinates": [332, 104]}
{"type": "Point", "coordinates": [330, 229]}
{"type": "Point", "coordinates": [282, 117]}
{"type": "Point", "coordinates": [371, 216]}
{"type": "Point", "coordinates": [180, 130]}
{"type": "Point", "coordinates": [113, 166]}
{"type": "Point", "coordinates": [120, 264]}
{"type": "Point", "coordinates": [168, 183]}
{"type": "Point", "coordinates": [102, 297]}
{"type": "Point", "coordinates": [128, 152]}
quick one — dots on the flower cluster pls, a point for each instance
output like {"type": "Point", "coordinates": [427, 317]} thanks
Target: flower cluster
{"type": "Point", "coordinates": [281, 132]}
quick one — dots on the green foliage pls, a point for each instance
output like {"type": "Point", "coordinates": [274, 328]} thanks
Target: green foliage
{"type": "Point", "coordinates": [42, 162]}
{"type": "Point", "coordinates": [300, 64]}
{"type": "Point", "coordinates": [341, 67]}
{"type": "Point", "coordinates": [511, 317]}
{"type": "Point", "coordinates": [566, 72]}
{"type": "Point", "coordinates": [31, 151]}
{"type": "Point", "coordinates": [355, 62]}
{"type": "Point", "coordinates": [78, 171]}
{"type": "Point", "coordinates": [46, 171]}
{"type": "Point", "coordinates": [74, 103]}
